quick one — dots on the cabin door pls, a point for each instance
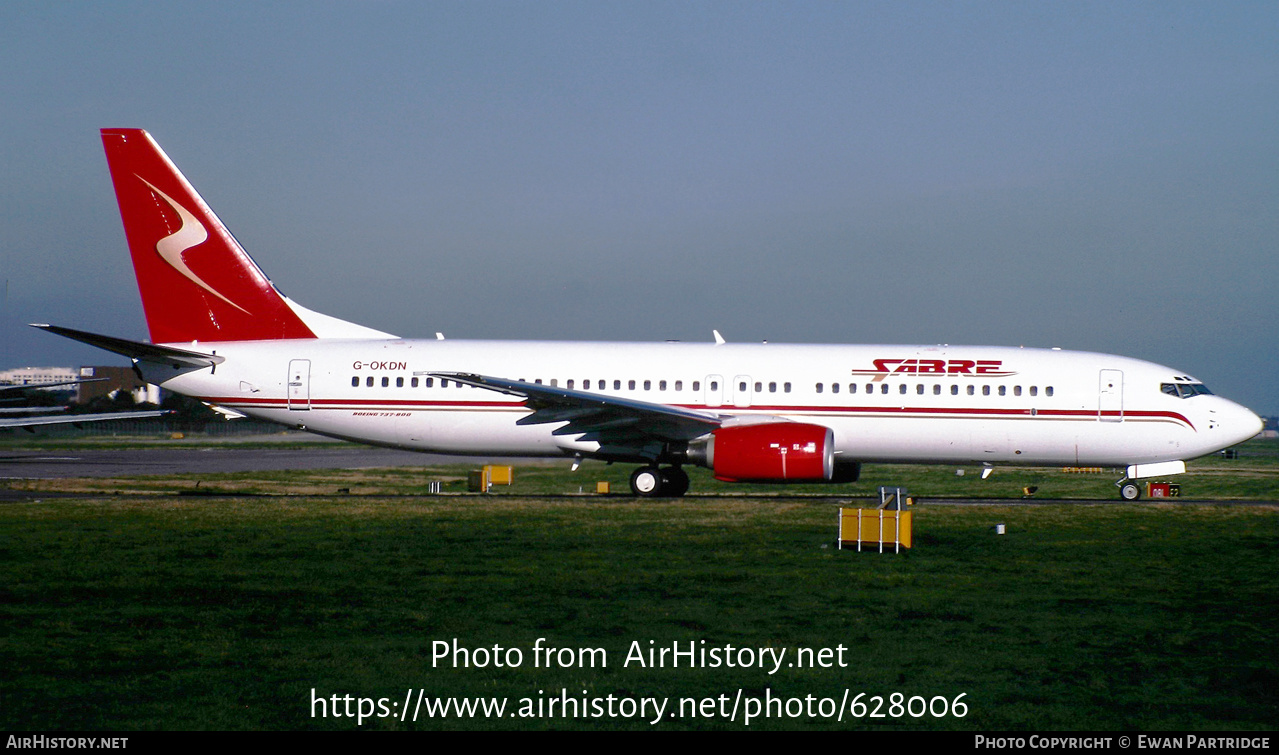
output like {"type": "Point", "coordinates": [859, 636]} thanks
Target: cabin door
{"type": "Point", "coordinates": [1110, 402]}
{"type": "Point", "coordinates": [299, 394]}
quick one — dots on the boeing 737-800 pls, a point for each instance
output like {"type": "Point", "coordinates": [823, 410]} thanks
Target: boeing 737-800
{"type": "Point", "coordinates": [222, 333]}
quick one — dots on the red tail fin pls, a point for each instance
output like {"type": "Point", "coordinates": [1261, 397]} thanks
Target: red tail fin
{"type": "Point", "coordinates": [197, 283]}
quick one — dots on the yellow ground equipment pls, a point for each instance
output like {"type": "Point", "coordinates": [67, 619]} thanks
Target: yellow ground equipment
{"type": "Point", "coordinates": [500, 474]}
{"type": "Point", "coordinates": [875, 527]}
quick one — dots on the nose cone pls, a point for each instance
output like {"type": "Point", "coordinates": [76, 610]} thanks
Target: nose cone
{"type": "Point", "coordinates": [1239, 423]}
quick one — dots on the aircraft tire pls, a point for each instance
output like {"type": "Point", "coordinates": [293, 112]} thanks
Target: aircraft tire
{"type": "Point", "coordinates": [674, 482]}
{"type": "Point", "coordinates": [647, 482]}
{"type": "Point", "coordinates": [1130, 491]}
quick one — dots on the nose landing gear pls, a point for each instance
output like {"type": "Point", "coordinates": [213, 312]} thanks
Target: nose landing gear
{"type": "Point", "coordinates": [1129, 490]}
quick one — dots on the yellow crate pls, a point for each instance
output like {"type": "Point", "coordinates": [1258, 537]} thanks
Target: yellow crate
{"type": "Point", "coordinates": [601, 487]}
{"type": "Point", "coordinates": [878, 527]}
{"type": "Point", "coordinates": [500, 475]}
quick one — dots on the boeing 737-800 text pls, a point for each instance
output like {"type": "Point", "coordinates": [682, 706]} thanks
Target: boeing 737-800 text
{"type": "Point", "coordinates": [222, 333]}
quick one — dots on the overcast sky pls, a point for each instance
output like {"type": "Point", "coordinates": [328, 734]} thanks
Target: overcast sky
{"type": "Point", "coordinates": [1102, 177]}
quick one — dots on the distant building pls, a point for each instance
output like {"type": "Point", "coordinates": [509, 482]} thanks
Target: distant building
{"type": "Point", "coordinates": [116, 379]}
{"type": "Point", "coordinates": [35, 376]}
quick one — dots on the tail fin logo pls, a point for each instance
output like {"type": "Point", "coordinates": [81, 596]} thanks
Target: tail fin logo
{"type": "Point", "coordinates": [191, 234]}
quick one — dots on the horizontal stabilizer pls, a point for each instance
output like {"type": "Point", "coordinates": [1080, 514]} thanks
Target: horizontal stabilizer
{"type": "Point", "coordinates": [76, 419]}
{"type": "Point", "coordinates": [146, 352]}
{"type": "Point", "coordinates": [43, 386]}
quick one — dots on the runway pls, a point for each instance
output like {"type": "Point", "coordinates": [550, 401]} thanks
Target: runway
{"type": "Point", "coordinates": [43, 465]}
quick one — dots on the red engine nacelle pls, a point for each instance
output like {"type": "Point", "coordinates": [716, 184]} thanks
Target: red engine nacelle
{"type": "Point", "coordinates": [774, 451]}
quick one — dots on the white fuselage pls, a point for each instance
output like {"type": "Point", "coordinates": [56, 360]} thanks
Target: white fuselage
{"type": "Point", "coordinates": [960, 404]}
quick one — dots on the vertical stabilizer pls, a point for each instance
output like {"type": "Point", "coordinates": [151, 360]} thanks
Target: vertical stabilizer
{"type": "Point", "coordinates": [197, 283]}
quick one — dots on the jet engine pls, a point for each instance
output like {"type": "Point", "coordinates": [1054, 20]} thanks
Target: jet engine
{"type": "Point", "coordinates": [770, 452]}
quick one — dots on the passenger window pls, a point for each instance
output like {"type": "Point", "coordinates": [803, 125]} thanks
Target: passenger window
{"type": "Point", "coordinates": [741, 387]}
{"type": "Point", "coordinates": [834, 387]}
{"type": "Point", "coordinates": [714, 385]}
{"type": "Point", "coordinates": [786, 387]}
{"type": "Point", "coordinates": [852, 387]}
{"type": "Point", "coordinates": [819, 387]}
{"type": "Point", "coordinates": [1016, 390]}
{"type": "Point", "coordinates": [555, 382]}
{"type": "Point", "coordinates": [648, 385]}
{"type": "Point", "coordinates": [1034, 390]}
{"type": "Point", "coordinates": [569, 385]}
{"type": "Point", "coordinates": [972, 390]}
{"type": "Point", "coordinates": [661, 385]}
{"type": "Point", "coordinates": [985, 390]}
{"type": "Point", "coordinates": [697, 385]}
{"type": "Point", "coordinates": [1003, 390]}
{"type": "Point", "coordinates": [414, 384]}
{"type": "Point", "coordinates": [386, 382]}
{"type": "Point", "coordinates": [870, 387]}
{"type": "Point", "coordinates": [617, 385]}
{"type": "Point", "coordinates": [368, 382]}
{"type": "Point", "coordinates": [902, 389]}
{"type": "Point", "coordinates": [399, 382]}
{"type": "Point", "coordinates": [679, 385]}
{"type": "Point", "coordinates": [884, 389]}
{"type": "Point", "coordinates": [630, 385]}
{"type": "Point", "coordinates": [936, 389]}
{"type": "Point", "coordinates": [1048, 391]}
{"type": "Point", "coordinates": [759, 387]}
{"type": "Point", "coordinates": [954, 390]}
{"type": "Point", "coordinates": [919, 389]}
{"type": "Point", "coordinates": [430, 382]}
{"type": "Point", "coordinates": [355, 382]}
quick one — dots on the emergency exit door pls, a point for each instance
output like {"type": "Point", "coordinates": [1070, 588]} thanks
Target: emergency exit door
{"type": "Point", "coordinates": [299, 394]}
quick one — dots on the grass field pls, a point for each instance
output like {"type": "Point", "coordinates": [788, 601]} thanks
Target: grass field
{"type": "Point", "coordinates": [153, 610]}
{"type": "Point", "coordinates": [1253, 476]}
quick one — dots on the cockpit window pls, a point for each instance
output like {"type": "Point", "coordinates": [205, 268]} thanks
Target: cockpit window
{"type": "Point", "coordinates": [1185, 390]}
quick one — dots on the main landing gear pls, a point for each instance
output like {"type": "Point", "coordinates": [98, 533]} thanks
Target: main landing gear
{"type": "Point", "coordinates": [651, 482]}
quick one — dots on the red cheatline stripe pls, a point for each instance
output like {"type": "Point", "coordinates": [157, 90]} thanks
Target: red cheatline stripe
{"type": "Point", "coordinates": [366, 404]}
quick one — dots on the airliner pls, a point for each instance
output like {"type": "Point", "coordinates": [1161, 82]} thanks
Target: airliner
{"type": "Point", "coordinates": [221, 332]}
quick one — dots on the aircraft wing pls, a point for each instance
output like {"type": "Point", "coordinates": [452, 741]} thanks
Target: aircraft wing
{"type": "Point", "coordinates": [75, 419]}
{"type": "Point", "coordinates": [608, 420]}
